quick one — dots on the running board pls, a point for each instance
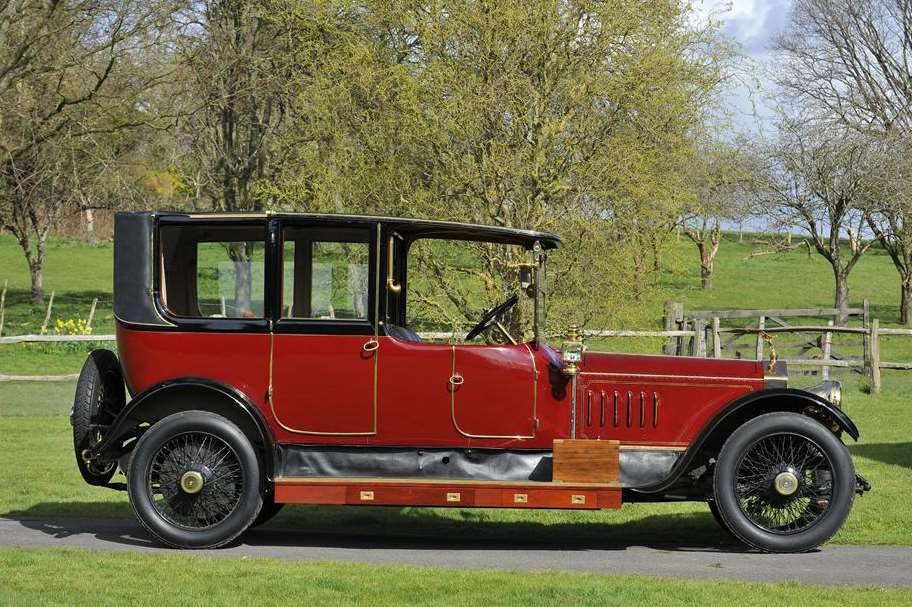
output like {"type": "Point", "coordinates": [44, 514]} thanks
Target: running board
{"type": "Point", "coordinates": [446, 493]}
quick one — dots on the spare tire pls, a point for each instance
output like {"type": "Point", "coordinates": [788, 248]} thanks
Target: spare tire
{"type": "Point", "coordinates": [100, 396]}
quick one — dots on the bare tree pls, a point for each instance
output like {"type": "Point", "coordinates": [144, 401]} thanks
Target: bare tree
{"type": "Point", "coordinates": [63, 80]}
{"type": "Point", "coordinates": [890, 214]}
{"type": "Point", "coordinates": [232, 102]}
{"type": "Point", "coordinates": [717, 177]}
{"type": "Point", "coordinates": [850, 62]}
{"type": "Point", "coordinates": [818, 180]}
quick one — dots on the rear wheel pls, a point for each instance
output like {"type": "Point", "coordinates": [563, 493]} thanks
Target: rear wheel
{"type": "Point", "coordinates": [268, 511]}
{"type": "Point", "coordinates": [194, 480]}
{"type": "Point", "coordinates": [784, 483]}
{"type": "Point", "coordinates": [100, 396]}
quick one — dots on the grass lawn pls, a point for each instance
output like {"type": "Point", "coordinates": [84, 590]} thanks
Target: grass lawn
{"type": "Point", "coordinates": [33, 577]}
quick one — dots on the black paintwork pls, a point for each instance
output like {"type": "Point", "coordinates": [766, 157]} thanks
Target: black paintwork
{"type": "Point", "coordinates": [126, 423]}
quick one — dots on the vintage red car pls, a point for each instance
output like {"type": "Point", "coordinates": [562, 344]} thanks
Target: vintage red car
{"type": "Point", "coordinates": [268, 361]}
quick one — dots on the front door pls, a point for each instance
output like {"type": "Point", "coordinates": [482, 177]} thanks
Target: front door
{"type": "Point", "coordinates": [494, 391]}
{"type": "Point", "coordinates": [324, 351]}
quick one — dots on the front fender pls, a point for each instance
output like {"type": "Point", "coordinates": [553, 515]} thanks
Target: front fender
{"type": "Point", "coordinates": [747, 407]}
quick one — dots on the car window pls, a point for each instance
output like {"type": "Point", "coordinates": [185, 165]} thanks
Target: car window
{"type": "Point", "coordinates": [212, 272]}
{"type": "Point", "coordinates": [325, 279]}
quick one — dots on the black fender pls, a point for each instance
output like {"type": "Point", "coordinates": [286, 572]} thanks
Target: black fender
{"type": "Point", "coordinates": [171, 396]}
{"type": "Point", "coordinates": [747, 407]}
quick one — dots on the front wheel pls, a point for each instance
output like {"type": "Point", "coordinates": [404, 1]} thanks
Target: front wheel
{"type": "Point", "coordinates": [194, 480]}
{"type": "Point", "coordinates": [784, 483]}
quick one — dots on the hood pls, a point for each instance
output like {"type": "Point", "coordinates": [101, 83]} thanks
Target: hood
{"type": "Point", "coordinates": [686, 366]}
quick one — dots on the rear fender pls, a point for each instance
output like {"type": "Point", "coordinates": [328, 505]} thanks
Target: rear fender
{"type": "Point", "coordinates": [185, 394]}
{"type": "Point", "coordinates": [748, 407]}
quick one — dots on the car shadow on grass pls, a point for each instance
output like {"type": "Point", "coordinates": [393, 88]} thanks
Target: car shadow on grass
{"type": "Point", "coordinates": [896, 454]}
{"type": "Point", "coordinates": [386, 527]}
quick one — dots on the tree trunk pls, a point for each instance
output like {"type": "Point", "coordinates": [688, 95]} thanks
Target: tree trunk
{"type": "Point", "coordinates": [905, 302]}
{"type": "Point", "coordinates": [706, 275]}
{"type": "Point", "coordinates": [89, 227]}
{"type": "Point", "coordinates": [241, 256]}
{"type": "Point", "coordinates": [36, 272]}
{"type": "Point", "coordinates": [841, 299]}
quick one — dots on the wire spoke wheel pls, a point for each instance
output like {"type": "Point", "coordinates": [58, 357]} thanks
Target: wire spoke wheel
{"type": "Point", "coordinates": [195, 480]}
{"type": "Point", "coordinates": [784, 483]}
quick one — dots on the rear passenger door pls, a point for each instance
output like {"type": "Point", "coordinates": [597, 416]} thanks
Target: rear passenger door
{"type": "Point", "coordinates": [325, 351]}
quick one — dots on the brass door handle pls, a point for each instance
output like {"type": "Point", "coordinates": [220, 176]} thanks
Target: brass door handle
{"type": "Point", "coordinates": [371, 345]}
{"type": "Point", "coordinates": [457, 380]}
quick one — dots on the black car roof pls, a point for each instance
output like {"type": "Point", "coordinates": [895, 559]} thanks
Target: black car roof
{"type": "Point", "coordinates": [405, 226]}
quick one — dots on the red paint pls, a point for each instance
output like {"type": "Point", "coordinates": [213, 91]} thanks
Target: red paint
{"type": "Point", "coordinates": [325, 383]}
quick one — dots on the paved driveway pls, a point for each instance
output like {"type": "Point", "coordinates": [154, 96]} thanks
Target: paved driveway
{"type": "Point", "coordinates": [832, 565]}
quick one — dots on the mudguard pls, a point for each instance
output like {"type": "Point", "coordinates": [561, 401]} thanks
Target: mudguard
{"type": "Point", "coordinates": [752, 405]}
{"type": "Point", "coordinates": [161, 400]}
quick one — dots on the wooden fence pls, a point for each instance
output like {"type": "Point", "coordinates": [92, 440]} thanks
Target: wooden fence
{"type": "Point", "coordinates": [696, 333]}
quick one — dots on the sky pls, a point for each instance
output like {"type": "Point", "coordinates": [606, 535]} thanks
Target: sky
{"type": "Point", "coordinates": [752, 25]}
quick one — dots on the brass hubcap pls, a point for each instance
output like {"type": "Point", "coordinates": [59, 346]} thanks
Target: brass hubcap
{"type": "Point", "coordinates": [786, 483]}
{"type": "Point", "coordinates": [191, 482]}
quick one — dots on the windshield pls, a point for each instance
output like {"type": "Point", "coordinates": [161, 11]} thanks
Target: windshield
{"type": "Point", "coordinates": [451, 283]}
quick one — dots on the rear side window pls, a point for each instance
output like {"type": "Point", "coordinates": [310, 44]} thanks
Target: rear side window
{"type": "Point", "coordinates": [212, 271]}
{"type": "Point", "coordinates": [325, 274]}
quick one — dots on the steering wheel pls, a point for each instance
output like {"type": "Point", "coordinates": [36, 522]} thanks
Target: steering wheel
{"type": "Point", "coordinates": [491, 316]}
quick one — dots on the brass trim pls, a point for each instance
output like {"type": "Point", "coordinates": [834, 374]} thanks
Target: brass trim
{"type": "Point", "coordinates": [655, 409]}
{"type": "Point", "coordinates": [457, 380]}
{"type": "Point", "coordinates": [614, 414]}
{"type": "Point", "coordinates": [629, 406]}
{"type": "Point", "coordinates": [191, 482]}
{"type": "Point", "coordinates": [366, 496]}
{"type": "Point", "coordinates": [520, 498]}
{"type": "Point", "coordinates": [376, 356]}
{"type": "Point", "coordinates": [391, 284]}
{"type": "Point", "coordinates": [453, 497]}
{"type": "Point", "coordinates": [455, 374]}
{"type": "Point", "coordinates": [672, 376]}
{"type": "Point", "coordinates": [602, 409]}
{"type": "Point", "coordinates": [578, 499]}
{"type": "Point", "coordinates": [642, 409]}
{"type": "Point", "coordinates": [370, 346]}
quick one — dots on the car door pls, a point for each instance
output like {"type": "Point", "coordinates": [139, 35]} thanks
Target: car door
{"type": "Point", "coordinates": [325, 351]}
{"type": "Point", "coordinates": [494, 391]}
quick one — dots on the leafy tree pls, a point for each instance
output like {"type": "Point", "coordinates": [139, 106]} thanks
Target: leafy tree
{"type": "Point", "coordinates": [571, 116]}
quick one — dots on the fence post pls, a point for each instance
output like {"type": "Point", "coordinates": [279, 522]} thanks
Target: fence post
{"type": "Point", "coordinates": [699, 337]}
{"type": "Point", "coordinates": [761, 324]}
{"type": "Point", "coordinates": [717, 340]}
{"type": "Point", "coordinates": [827, 351]}
{"type": "Point", "coordinates": [674, 314]}
{"type": "Point", "coordinates": [874, 356]}
{"type": "Point", "coordinates": [866, 338]}
{"type": "Point", "coordinates": [47, 316]}
{"type": "Point", "coordinates": [91, 314]}
{"type": "Point", "coordinates": [3, 306]}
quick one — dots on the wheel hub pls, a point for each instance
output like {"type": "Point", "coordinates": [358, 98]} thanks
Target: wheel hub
{"type": "Point", "coordinates": [191, 482]}
{"type": "Point", "coordinates": [786, 483]}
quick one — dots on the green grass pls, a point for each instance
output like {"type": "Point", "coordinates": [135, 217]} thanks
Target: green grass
{"type": "Point", "coordinates": [46, 483]}
{"type": "Point", "coordinates": [76, 577]}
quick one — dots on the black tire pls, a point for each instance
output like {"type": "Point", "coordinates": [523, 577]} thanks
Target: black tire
{"type": "Point", "coordinates": [268, 511]}
{"type": "Point", "coordinates": [816, 485]}
{"type": "Point", "coordinates": [100, 396]}
{"type": "Point", "coordinates": [714, 510]}
{"type": "Point", "coordinates": [221, 507]}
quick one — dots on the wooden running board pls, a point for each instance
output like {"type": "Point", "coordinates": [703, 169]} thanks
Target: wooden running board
{"type": "Point", "coordinates": [447, 493]}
